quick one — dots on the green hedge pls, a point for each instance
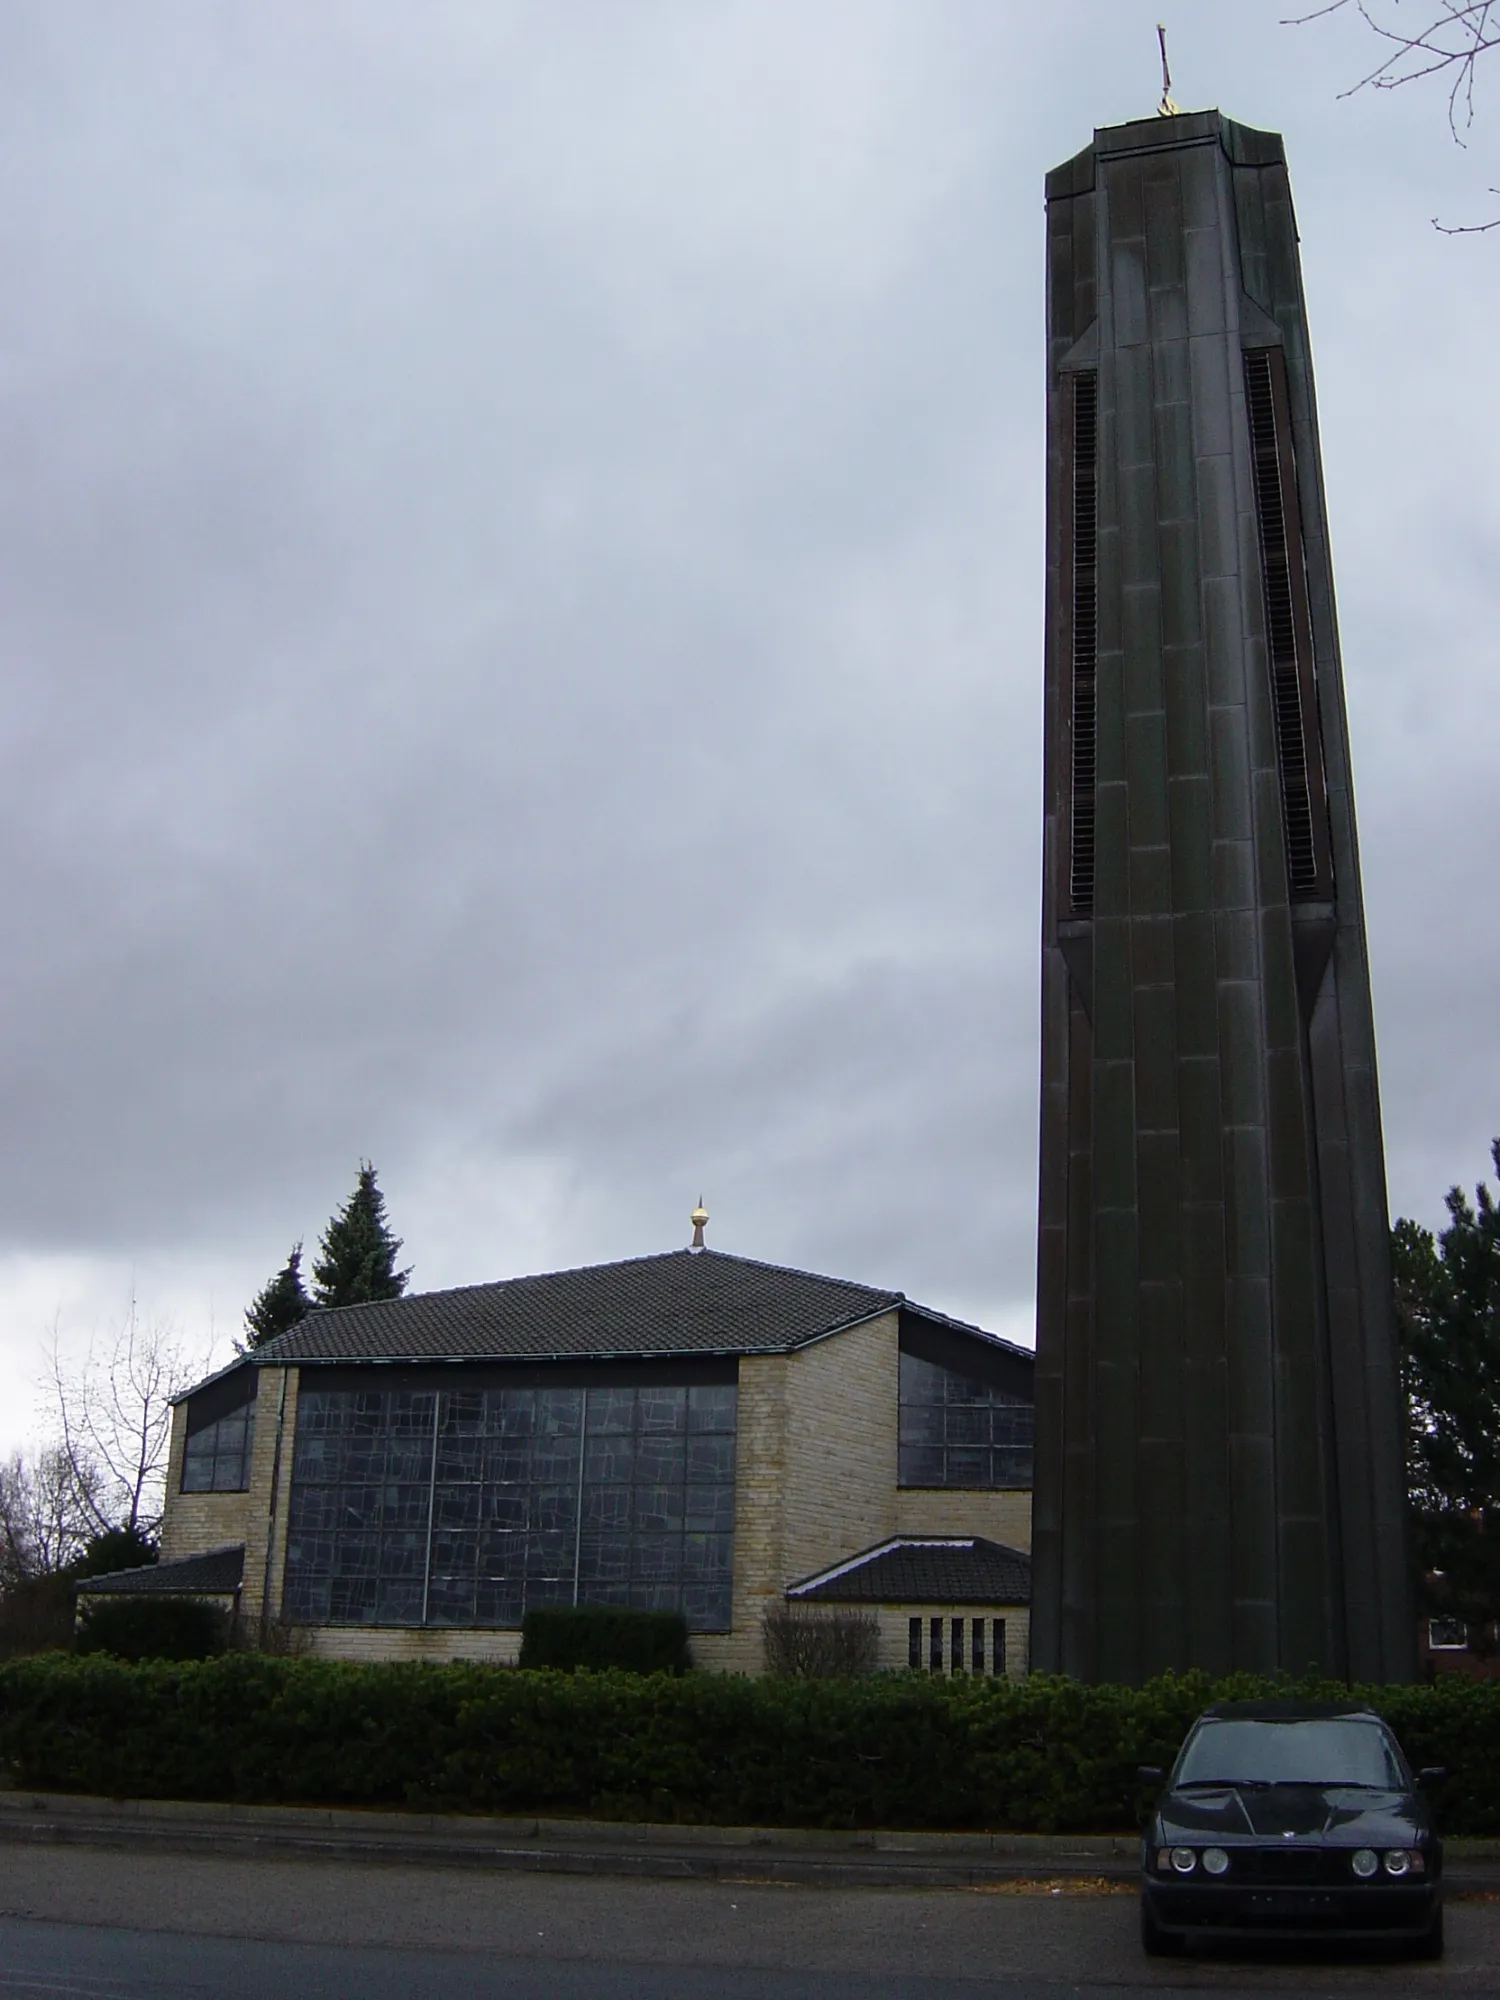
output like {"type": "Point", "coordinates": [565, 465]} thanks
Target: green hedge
{"type": "Point", "coordinates": [889, 1750]}
{"type": "Point", "coordinates": [152, 1628]}
{"type": "Point", "coordinates": [604, 1636]}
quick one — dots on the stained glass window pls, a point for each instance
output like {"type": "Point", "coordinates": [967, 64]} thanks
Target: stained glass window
{"type": "Point", "coordinates": [960, 1432]}
{"type": "Point", "coordinates": [468, 1506]}
{"type": "Point", "coordinates": [216, 1459]}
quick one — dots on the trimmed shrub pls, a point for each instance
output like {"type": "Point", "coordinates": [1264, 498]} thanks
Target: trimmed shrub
{"type": "Point", "coordinates": [601, 1637]}
{"type": "Point", "coordinates": [151, 1628]}
{"type": "Point", "coordinates": [820, 1645]}
{"type": "Point", "coordinates": [36, 1615]}
{"type": "Point", "coordinates": [891, 1750]}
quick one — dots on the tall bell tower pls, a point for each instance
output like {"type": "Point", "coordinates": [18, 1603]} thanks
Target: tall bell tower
{"type": "Point", "coordinates": [1219, 1419]}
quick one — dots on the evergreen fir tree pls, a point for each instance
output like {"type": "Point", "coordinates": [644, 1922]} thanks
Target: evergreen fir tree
{"type": "Point", "coordinates": [1448, 1306]}
{"type": "Point", "coordinates": [357, 1256]}
{"type": "Point", "coordinates": [280, 1303]}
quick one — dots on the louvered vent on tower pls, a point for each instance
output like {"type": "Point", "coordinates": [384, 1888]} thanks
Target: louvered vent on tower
{"type": "Point", "coordinates": [1085, 553]}
{"type": "Point", "coordinates": [1287, 638]}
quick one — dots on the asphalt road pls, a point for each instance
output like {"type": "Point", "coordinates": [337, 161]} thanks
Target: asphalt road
{"type": "Point", "coordinates": [113, 1926]}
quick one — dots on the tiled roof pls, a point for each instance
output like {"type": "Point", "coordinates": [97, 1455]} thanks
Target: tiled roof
{"type": "Point", "coordinates": [213, 1575]}
{"type": "Point", "coordinates": [911, 1570]}
{"type": "Point", "coordinates": [683, 1302]}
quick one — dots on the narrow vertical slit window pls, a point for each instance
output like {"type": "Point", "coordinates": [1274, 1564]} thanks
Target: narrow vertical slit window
{"type": "Point", "coordinates": [1288, 642]}
{"type": "Point", "coordinates": [1085, 709]}
{"type": "Point", "coordinates": [914, 1643]}
{"type": "Point", "coordinates": [935, 1653]}
{"type": "Point", "coordinates": [997, 1646]}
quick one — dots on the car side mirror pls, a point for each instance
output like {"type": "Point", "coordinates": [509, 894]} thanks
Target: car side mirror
{"type": "Point", "coordinates": [1149, 1774]}
{"type": "Point", "coordinates": [1432, 1774]}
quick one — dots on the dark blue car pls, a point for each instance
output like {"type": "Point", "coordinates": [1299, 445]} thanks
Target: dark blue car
{"type": "Point", "coordinates": [1295, 1820]}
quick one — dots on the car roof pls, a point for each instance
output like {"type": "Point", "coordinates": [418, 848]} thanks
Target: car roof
{"type": "Point", "coordinates": [1287, 1711]}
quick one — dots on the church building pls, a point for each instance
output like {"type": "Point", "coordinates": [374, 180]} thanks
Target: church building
{"type": "Point", "coordinates": [692, 1431]}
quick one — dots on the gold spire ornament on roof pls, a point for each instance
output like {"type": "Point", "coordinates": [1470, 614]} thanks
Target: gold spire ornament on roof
{"type": "Point", "coordinates": [699, 1220]}
{"type": "Point", "coordinates": [1166, 109]}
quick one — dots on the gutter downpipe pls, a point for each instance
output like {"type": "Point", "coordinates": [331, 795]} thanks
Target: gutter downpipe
{"type": "Point", "coordinates": [265, 1601]}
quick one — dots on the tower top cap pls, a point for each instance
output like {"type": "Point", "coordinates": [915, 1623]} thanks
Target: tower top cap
{"type": "Point", "coordinates": [699, 1220]}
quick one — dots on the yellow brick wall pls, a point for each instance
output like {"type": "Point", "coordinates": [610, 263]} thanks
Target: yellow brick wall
{"type": "Point", "coordinates": [387, 1642]}
{"type": "Point", "coordinates": [895, 1621]}
{"type": "Point", "coordinates": [1001, 1517]}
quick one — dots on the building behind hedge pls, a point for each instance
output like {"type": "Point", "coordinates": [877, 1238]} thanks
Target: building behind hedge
{"type": "Point", "coordinates": [691, 1431]}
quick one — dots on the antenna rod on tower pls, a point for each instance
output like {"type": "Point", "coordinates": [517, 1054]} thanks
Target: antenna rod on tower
{"type": "Point", "coordinates": [1166, 109]}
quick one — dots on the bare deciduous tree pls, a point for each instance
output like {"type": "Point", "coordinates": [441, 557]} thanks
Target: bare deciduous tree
{"type": "Point", "coordinates": [48, 1514]}
{"type": "Point", "coordinates": [1457, 34]}
{"type": "Point", "coordinates": [113, 1419]}
{"type": "Point", "coordinates": [820, 1645]}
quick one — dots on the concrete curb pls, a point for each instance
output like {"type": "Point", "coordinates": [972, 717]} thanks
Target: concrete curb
{"type": "Point", "coordinates": [600, 1847]}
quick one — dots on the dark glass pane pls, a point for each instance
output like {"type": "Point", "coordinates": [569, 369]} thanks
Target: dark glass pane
{"type": "Point", "coordinates": [709, 1507]}
{"type": "Point", "coordinates": [559, 1412]}
{"type": "Point", "coordinates": [961, 1389]}
{"type": "Point", "coordinates": [967, 1426]}
{"type": "Point", "coordinates": [554, 1507]}
{"type": "Point", "coordinates": [356, 1555]}
{"type": "Point", "coordinates": [507, 1506]}
{"type": "Point", "coordinates": [409, 1460]}
{"type": "Point", "coordinates": [1013, 1426]}
{"type": "Point", "coordinates": [660, 1458]}
{"type": "Point", "coordinates": [460, 1457]}
{"type": "Point", "coordinates": [603, 1593]}
{"type": "Point", "coordinates": [660, 1510]}
{"type": "Point", "coordinates": [609, 1460]}
{"type": "Point", "coordinates": [921, 1465]}
{"type": "Point", "coordinates": [461, 1410]}
{"type": "Point", "coordinates": [662, 1409]}
{"type": "Point", "coordinates": [549, 1555]}
{"type": "Point", "coordinates": [647, 1596]}
{"type": "Point", "coordinates": [611, 1411]}
{"type": "Point", "coordinates": [967, 1467]}
{"type": "Point", "coordinates": [922, 1423]}
{"type": "Point", "coordinates": [404, 1506]}
{"type": "Point", "coordinates": [455, 1553]}
{"type": "Point", "coordinates": [316, 1458]}
{"type": "Point", "coordinates": [198, 1473]}
{"type": "Point", "coordinates": [922, 1381]}
{"type": "Point", "coordinates": [359, 1506]}
{"type": "Point", "coordinates": [398, 1601]}
{"type": "Point", "coordinates": [230, 1472]}
{"type": "Point", "coordinates": [1012, 1468]}
{"type": "Point", "coordinates": [352, 1600]}
{"type": "Point", "coordinates": [711, 1460]}
{"type": "Point", "coordinates": [457, 1507]}
{"type": "Point", "coordinates": [503, 1556]}
{"type": "Point", "coordinates": [403, 1555]}
{"type": "Point", "coordinates": [656, 1557]}
{"type": "Point", "coordinates": [511, 1413]}
{"type": "Point", "coordinates": [313, 1507]}
{"type": "Point", "coordinates": [606, 1507]}
{"type": "Point", "coordinates": [556, 1461]}
{"type": "Point", "coordinates": [450, 1599]}
{"type": "Point", "coordinates": [604, 1559]}
{"type": "Point", "coordinates": [508, 1462]}
{"type": "Point", "coordinates": [706, 1558]}
{"type": "Point", "coordinates": [229, 1432]}
{"type": "Point", "coordinates": [711, 1408]}
{"type": "Point", "coordinates": [497, 1603]}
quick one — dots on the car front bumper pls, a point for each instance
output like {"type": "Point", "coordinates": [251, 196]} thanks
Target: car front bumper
{"type": "Point", "coordinates": [1225, 1909]}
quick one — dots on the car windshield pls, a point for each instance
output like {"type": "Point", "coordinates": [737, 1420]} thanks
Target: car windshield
{"type": "Point", "coordinates": [1332, 1750]}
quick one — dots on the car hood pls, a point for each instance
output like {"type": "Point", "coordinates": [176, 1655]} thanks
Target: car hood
{"type": "Point", "coordinates": [1339, 1813]}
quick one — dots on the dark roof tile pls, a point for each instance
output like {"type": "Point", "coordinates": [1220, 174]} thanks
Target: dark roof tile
{"type": "Point", "coordinates": [214, 1575]}
{"type": "Point", "coordinates": [913, 1570]}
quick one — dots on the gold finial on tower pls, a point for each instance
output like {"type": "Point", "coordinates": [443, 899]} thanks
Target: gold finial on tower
{"type": "Point", "coordinates": [699, 1220]}
{"type": "Point", "coordinates": [1166, 109]}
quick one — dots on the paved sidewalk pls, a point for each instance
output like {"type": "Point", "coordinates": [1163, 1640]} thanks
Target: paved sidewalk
{"type": "Point", "coordinates": [601, 1847]}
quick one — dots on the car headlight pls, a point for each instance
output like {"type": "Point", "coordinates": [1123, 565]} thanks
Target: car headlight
{"type": "Point", "coordinates": [1215, 1861]}
{"type": "Point", "coordinates": [1398, 1862]}
{"type": "Point", "coordinates": [1365, 1862]}
{"type": "Point", "coordinates": [1184, 1860]}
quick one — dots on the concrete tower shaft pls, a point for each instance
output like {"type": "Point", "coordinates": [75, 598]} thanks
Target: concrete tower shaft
{"type": "Point", "coordinates": [1219, 1427]}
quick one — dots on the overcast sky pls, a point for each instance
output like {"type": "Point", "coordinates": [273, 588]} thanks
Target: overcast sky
{"type": "Point", "coordinates": [520, 596]}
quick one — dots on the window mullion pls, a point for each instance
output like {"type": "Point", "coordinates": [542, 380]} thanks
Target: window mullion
{"type": "Point", "coordinates": [437, 1402]}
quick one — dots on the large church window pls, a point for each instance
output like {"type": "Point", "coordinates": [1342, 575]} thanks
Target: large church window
{"type": "Point", "coordinates": [467, 1507]}
{"type": "Point", "coordinates": [958, 1431]}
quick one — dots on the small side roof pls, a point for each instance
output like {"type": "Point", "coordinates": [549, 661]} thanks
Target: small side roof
{"type": "Point", "coordinates": [910, 1569]}
{"type": "Point", "coordinates": [215, 1574]}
